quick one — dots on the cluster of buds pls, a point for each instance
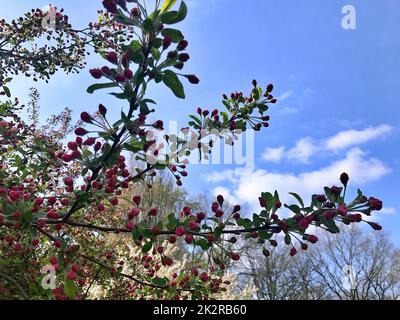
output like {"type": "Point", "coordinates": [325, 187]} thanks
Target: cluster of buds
{"type": "Point", "coordinates": [325, 211]}
{"type": "Point", "coordinates": [9, 132]}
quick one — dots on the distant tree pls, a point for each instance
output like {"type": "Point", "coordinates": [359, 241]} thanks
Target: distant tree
{"type": "Point", "coordinates": [319, 273]}
{"type": "Point", "coordinates": [373, 258]}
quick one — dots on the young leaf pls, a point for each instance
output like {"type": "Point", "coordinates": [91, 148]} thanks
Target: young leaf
{"type": "Point", "coordinates": [197, 120]}
{"type": "Point", "coordinates": [155, 53]}
{"type": "Point", "coordinates": [99, 86]}
{"type": "Point", "coordinates": [161, 282]}
{"type": "Point", "coordinates": [70, 288]}
{"type": "Point", "coordinates": [175, 16]}
{"type": "Point", "coordinates": [7, 91]}
{"type": "Point", "coordinates": [174, 34]}
{"type": "Point", "coordinates": [330, 224]}
{"type": "Point", "coordinates": [148, 26]}
{"type": "Point", "coordinates": [263, 234]}
{"type": "Point", "coordinates": [147, 247]}
{"type": "Point", "coordinates": [288, 239]}
{"type": "Point", "coordinates": [172, 81]}
{"type": "Point", "coordinates": [294, 208]}
{"type": "Point", "coordinates": [298, 198]}
{"type": "Point", "coordinates": [203, 243]}
{"type": "Point", "coordinates": [167, 5]}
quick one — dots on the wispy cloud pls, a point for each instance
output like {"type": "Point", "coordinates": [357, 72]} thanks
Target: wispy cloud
{"type": "Point", "coordinates": [273, 154]}
{"type": "Point", "coordinates": [308, 93]}
{"type": "Point", "coordinates": [288, 110]}
{"type": "Point", "coordinates": [350, 138]}
{"type": "Point", "coordinates": [388, 210]}
{"type": "Point", "coordinates": [306, 147]}
{"type": "Point", "coordinates": [286, 95]}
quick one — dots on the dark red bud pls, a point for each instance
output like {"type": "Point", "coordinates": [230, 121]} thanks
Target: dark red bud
{"type": "Point", "coordinates": [96, 73]}
{"type": "Point", "coordinates": [182, 45]}
{"type": "Point", "coordinates": [86, 117]}
{"type": "Point", "coordinates": [193, 79]}
{"type": "Point", "coordinates": [112, 57]}
{"type": "Point", "coordinates": [344, 178]}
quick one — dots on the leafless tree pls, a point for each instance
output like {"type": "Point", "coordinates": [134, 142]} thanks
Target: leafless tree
{"type": "Point", "coordinates": [372, 261]}
{"type": "Point", "coordinates": [320, 272]}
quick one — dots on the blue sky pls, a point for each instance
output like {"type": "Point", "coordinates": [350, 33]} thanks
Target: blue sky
{"type": "Point", "coordinates": [339, 90]}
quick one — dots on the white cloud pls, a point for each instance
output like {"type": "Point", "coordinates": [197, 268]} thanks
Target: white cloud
{"type": "Point", "coordinates": [288, 110]}
{"type": "Point", "coordinates": [306, 147]}
{"type": "Point", "coordinates": [388, 210]}
{"type": "Point", "coordinates": [350, 138]}
{"type": "Point", "coordinates": [300, 153]}
{"type": "Point", "coordinates": [286, 95]}
{"type": "Point", "coordinates": [273, 154]}
{"type": "Point", "coordinates": [303, 150]}
{"type": "Point", "coordinates": [308, 93]}
{"type": "Point", "coordinates": [247, 184]}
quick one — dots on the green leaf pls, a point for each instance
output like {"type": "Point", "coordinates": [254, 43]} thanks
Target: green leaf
{"type": "Point", "coordinates": [155, 53]}
{"type": "Point", "coordinates": [147, 233]}
{"type": "Point", "coordinates": [172, 222]}
{"type": "Point", "coordinates": [172, 81]}
{"type": "Point", "coordinates": [174, 34]}
{"type": "Point", "coordinates": [298, 198]}
{"type": "Point", "coordinates": [203, 243]}
{"type": "Point", "coordinates": [330, 224]}
{"type": "Point", "coordinates": [135, 46]}
{"type": "Point", "coordinates": [257, 220]}
{"type": "Point", "coordinates": [175, 16]}
{"type": "Point", "coordinates": [294, 208]}
{"type": "Point", "coordinates": [246, 223]}
{"type": "Point", "coordinates": [288, 239]}
{"type": "Point", "coordinates": [161, 282]}
{"type": "Point", "coordinates": [270, 200]}
{"type": "Point", "coordinates": [217, 232]}
{"type": "Point", "coordinates": [99, 86]}
{"type": "Point", "coordinates": [227, 104]}
{"type": "Point", "coordinates": [7, 91]}
{"type": "Point", "coordinates": [149, 101]}
{"type": "Point", "coordinates": [148, 26]}
{"type": "Point", "coordinates": [331, 197]}
{"type": "Point", "coordinates": [134, 146]}
{"type": "Point", "coordinates": [138, 77]}
{"type": "Point", "coordinates": [225, 116]}
{"type": "Point", "coordinates": [144, 109]}
{"type": "Point", "coordinates": [121, 96]}
{"type": "Point", "coordinates": [70, 288]}
{"type": "Point", "coordinates": [135, 234]}
{"type": "Point", "coordinates": [193, 124]}
{"type": "Point", "coordinates": [167, 5]}
{"type": "Point", "coordinates": [121, 18]}
{"type": "Point", "coordinates": [160, 225]}
{"type": "Point", "coordinates": [263, 234]}
{"type": "Point", "coordinates": [276, 196]}
{"type": "Point", "coordinates": [137, 57]}
{"type": "Point", "coordinates": [160, 166]}
{"type": "Point", "coordinates": [82, 195]}
{"type": "Point", "coordinates": [195, 119]}
{"type": "Point", "coordinates": [147, 247]}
